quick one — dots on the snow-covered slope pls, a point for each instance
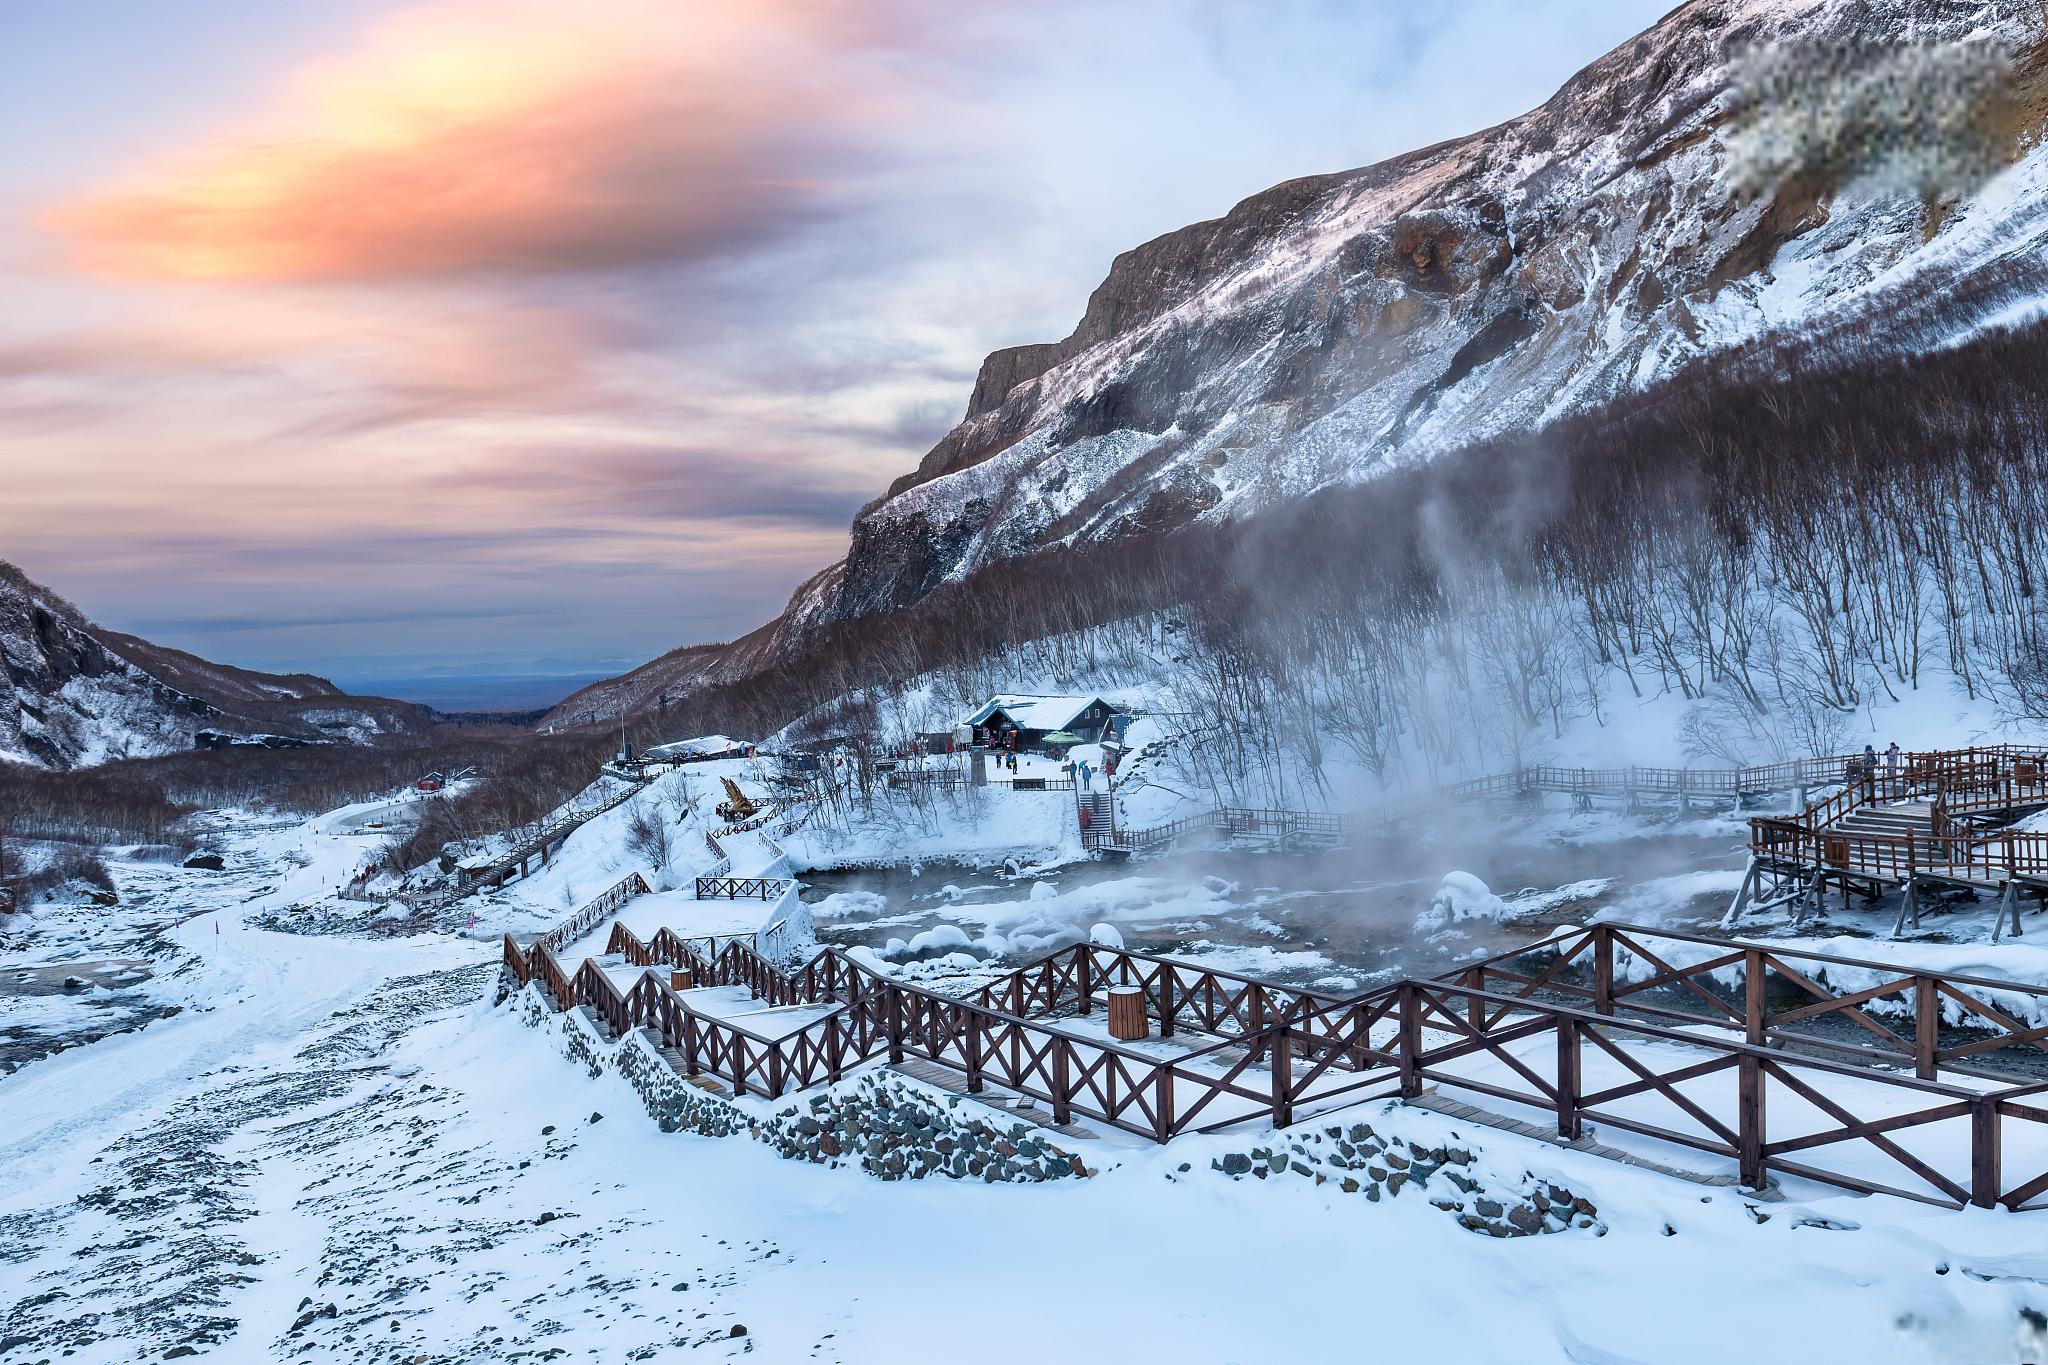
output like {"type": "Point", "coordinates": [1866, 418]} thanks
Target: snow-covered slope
{"type": "Point", "coordinates": [78, 695]}
{"type": "Point", "coordinates": [1334, 326]}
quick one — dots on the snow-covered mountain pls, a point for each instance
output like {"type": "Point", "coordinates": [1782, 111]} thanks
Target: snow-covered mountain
{"type": "Point", "coordinates": [1340, 325]}
{"type": "Point", "coordinates": [79, 695]}
{"type": "Point", "coordinates": [1336, 325]}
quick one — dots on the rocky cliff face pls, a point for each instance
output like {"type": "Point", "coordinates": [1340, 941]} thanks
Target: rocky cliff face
{"type": "Point", "coordinates": [1335, 326]}
{"type": "Point", "coordinates": [1340, 325]}
{"type": "Point", "coordinates": [77, 695]}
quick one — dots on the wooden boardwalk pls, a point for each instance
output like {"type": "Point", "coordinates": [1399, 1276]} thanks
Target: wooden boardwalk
{"type": "Point", "coordinates": [1632, 786]}
{"type": "Point", "coordinates": [1933, 823]}
{"type": "Point", "coordinates": [1925, 1085]}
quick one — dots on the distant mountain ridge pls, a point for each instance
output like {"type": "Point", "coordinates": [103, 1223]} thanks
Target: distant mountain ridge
{"type": "Point", "coordinates": [1339, 326]}
{"type": "Point", "coordinates": [80, 695]}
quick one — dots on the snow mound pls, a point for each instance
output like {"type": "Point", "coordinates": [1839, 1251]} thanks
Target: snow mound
{"type": "Point", "coordinates": [1462, 896]}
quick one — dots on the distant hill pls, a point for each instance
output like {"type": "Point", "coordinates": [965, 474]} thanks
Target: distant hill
{"type": "Point", "coordinates": [80, 695]}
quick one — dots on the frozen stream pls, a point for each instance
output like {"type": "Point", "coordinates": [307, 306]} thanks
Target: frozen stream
{"type": "Point", "coordinates": [1339, 920]}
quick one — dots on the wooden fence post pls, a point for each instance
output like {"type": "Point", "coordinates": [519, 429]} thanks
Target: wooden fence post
{"type": "Point", "coordinates": [1062, 1093]}
{"type": "Point", "coordinates": [973, 1048]}
{"type": "Point", "coordinates": [1410, 1044]}
{"type": "Point", "coordinates": [1083, 977]}
{"type": "Point", "coordinates": [1283, 1078]}
{"type": "Point", "coordinates": [1162, 1105]}
{"type": "Point", "coordinates": [1603, 969]}
{"type": "Point", "coordinates": [1255, 1020]}
{"type": "Point", "coordinates": [1986, 1175]}
{"type": "Point", "coordinates": [1926, 1026]}
{"type": "Point", "coordinates": [1568, 1078]}
{"type": "Point", "coordinates": [1753, 996]}
{"type": "Point", "coordinates": [1749, 1121]}
{"type": "Point", "coordinates": [895, 1023]}
{"type": "Point", "coordinates": [1165, 1000]}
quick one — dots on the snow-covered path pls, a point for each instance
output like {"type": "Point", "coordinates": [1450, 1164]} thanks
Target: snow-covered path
{"type": "Point", "coordinates": [246, 992]}
{"type": "Point", "coordinates": [341, 1150]}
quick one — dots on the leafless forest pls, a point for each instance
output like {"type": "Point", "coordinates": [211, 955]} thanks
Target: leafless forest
{"type": "Point", "coordinates": [1775, 543]}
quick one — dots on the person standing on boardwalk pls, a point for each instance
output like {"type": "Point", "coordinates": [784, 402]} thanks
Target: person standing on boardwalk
{"type": "Point", "coordinates": [1891, 760]}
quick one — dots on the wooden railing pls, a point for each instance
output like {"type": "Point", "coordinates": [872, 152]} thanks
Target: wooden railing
{"type": "Point", "coordinates": [1926, 1020]}
{"type": "Point", "coordinates": [1720, 1096]}
{"type": "Point", "coordinates": [590, 916]}
{"type": "Point", "coordinates": [1619, 783]}
{"type": "Point", "coordinates": [741, 888]}
{"type": "Point", "coordinates": [536, 844]}
{"type": "Point", "coordinates": [1226, 820]}
{"type": "Point", "coordinates": [1722, 1052]}
{"type": "Point", "coordinates": [1956, 783]}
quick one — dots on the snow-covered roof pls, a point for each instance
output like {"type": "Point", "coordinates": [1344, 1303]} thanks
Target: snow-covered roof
{"type": "Point", "coordinates": [1035, 713]}
{"type": "Point", "coordinates": [703, 744]}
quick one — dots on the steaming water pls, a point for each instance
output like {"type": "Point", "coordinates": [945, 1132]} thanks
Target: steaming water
{"type": "Point", "coordinates": [1338, 920]}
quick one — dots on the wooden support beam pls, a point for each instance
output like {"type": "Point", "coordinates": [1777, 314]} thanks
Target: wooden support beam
{"type": "Point", "coordinates": [1749, 1121]}
{"type": "Point", "coordinates": [1568, 1079]}
{"type": "Point", "coordinates": [1283, 1078]}
{"type": "Point", "coordinates": [2008, 912]}
{"type": "Point", "coordinates": [1926, 1026]}
{"type": "Point", "coordinates": [1410, 1046]}
{"type": "Point", "coordinates": [1753, 1000]}
{"type": "Point", "coordinates": [1986, 1173]}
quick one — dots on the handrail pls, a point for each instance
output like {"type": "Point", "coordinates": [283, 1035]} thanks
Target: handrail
{"type": "Point", "coordinates": [1774, 948]}
{"type": "Point", "coordinates": [1314, 1048]}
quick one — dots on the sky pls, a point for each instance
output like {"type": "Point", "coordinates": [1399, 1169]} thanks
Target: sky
{"type": "Point", "coordinates": [374, 338]}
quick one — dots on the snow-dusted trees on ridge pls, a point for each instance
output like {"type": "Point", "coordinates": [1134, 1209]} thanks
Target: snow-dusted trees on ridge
{"type": "Point", "coordinates": [1777, 543]}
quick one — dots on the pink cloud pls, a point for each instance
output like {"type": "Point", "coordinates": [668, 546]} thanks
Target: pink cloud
{"type": "Point", "coordinates": [525, 136]}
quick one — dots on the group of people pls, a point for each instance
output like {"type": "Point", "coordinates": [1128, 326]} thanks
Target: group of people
{"type": "Point", "coordinates": [1078, 771]}
{"type": "Point", "coordinates": [1892, 758]}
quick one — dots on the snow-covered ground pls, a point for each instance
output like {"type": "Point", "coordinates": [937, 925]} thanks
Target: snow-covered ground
{"type": "Point", "coordinates": [339, 1148]}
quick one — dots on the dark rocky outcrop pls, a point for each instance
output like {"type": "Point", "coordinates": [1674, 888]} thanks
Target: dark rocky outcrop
{"type": "Point", "coordinates": [80, 694]}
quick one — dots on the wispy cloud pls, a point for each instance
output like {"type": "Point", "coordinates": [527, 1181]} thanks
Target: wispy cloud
{"type": "Point", "coordinates": [513, 135]}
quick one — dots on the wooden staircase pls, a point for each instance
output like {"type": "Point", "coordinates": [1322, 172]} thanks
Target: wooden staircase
{"type": "Point", "coordinates": [1898, 820]}
{"type": "Point", "coordinates": [1096, 812]}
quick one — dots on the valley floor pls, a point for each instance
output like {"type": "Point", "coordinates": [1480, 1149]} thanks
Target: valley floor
{"type": "Point", "coordinates": [338, 1148]}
